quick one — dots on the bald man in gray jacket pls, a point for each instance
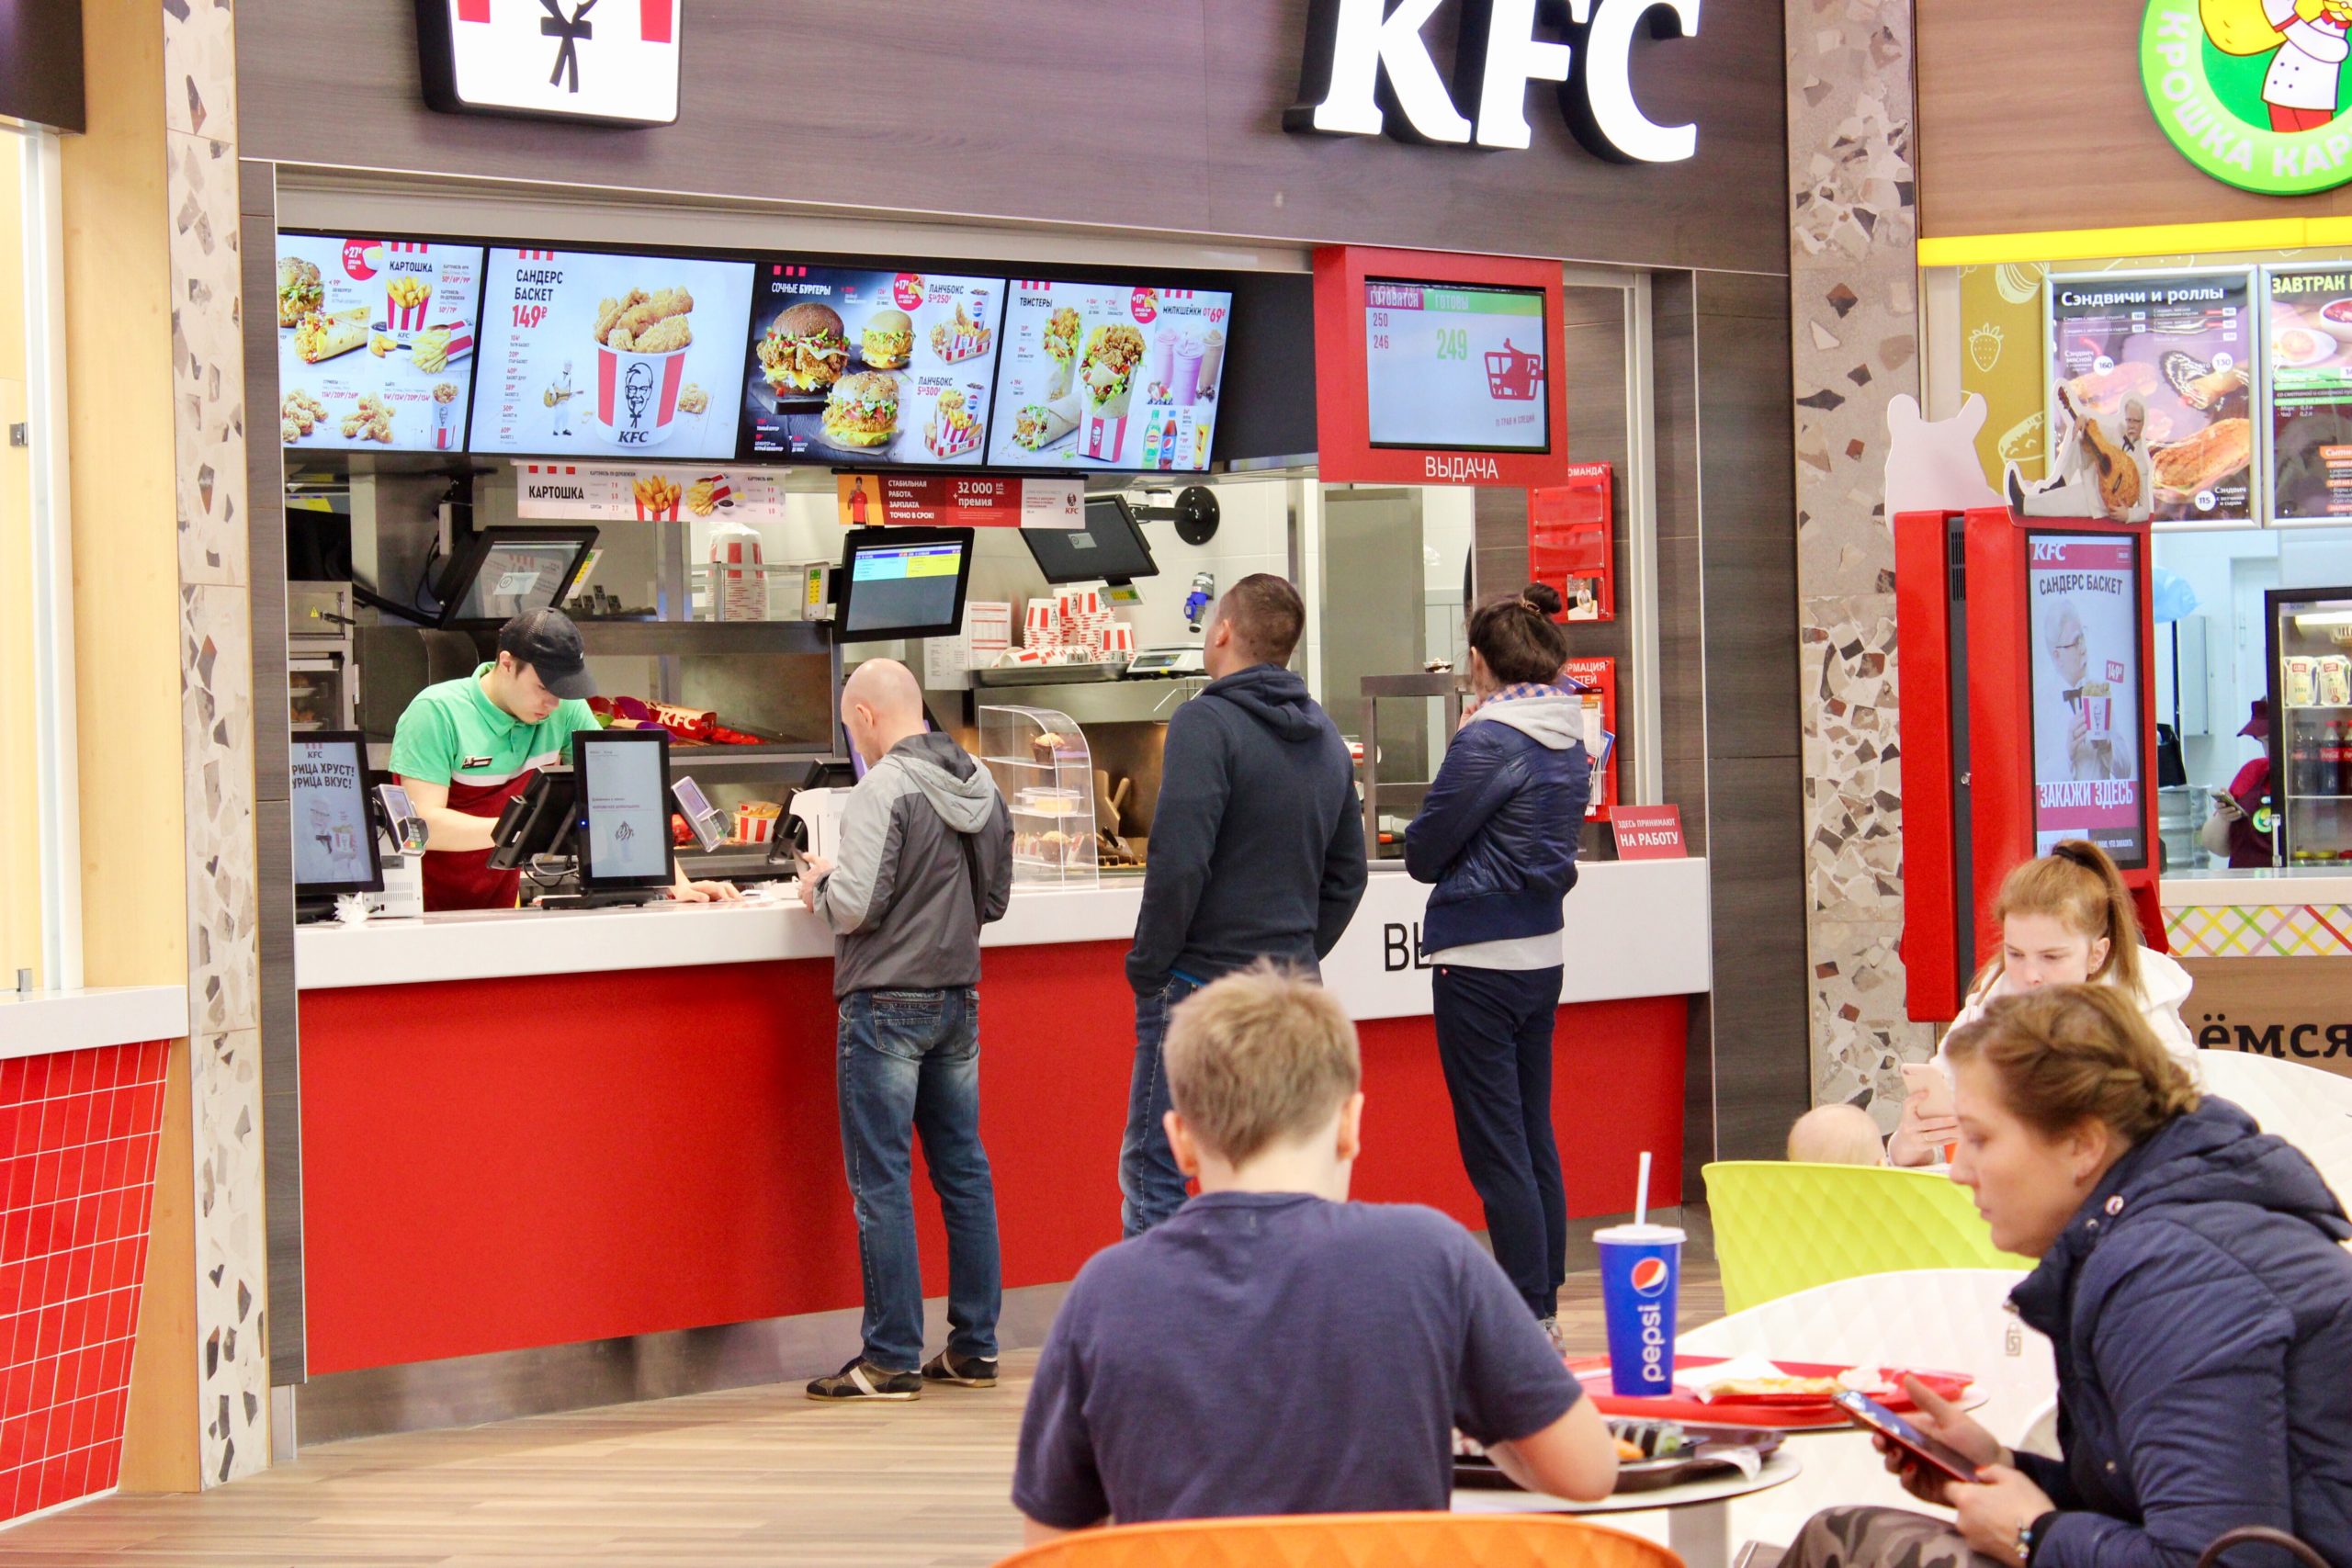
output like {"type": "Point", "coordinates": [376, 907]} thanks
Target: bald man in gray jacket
{"type": "Point", "coordinates": [926, 860]}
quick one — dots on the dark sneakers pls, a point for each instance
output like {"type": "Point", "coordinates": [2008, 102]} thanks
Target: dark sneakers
{"type": "Point", "coordinates": [863, 1380]}
{"type": "Point", "coordinates": [964, 1371]}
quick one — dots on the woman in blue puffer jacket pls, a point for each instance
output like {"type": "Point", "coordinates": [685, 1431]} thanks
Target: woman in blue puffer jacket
{"type": "Point", "coordinates": [1497, 834]}
{"type": "Point", "coordinates": [2195, 1291]}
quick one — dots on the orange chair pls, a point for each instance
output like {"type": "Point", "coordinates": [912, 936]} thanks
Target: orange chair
{"type": "Point", "coordinates": [1354, 1540]}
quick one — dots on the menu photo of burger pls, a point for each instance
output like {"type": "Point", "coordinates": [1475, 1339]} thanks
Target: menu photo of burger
{"type": "Point", "coordinates": [892, 366]}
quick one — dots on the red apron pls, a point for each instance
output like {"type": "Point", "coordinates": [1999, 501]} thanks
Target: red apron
{"type": "Point", "coordinates": [462, 879]}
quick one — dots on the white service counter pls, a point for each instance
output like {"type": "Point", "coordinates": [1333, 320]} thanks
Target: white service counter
{"type": "Point", "coordinates": [1634, 928]}
{"type": "Point", "coordinates": [37, 1023]}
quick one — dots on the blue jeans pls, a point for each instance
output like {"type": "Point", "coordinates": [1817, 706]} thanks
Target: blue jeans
{"type": "Point", "coordinates": [909, 1062]}
{"type": "Point", "coordinates": [1150, 1187]}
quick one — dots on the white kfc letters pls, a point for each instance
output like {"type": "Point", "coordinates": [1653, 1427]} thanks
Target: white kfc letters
{"type": "Point", "coordinates": [1368, 70]}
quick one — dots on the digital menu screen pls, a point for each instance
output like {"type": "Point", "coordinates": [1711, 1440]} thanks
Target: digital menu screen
{"type": "Point", "coordinates": [1109, 375]}
{"type": "Point", "coordinates": [596, 353]}
{"type": "Point", "coordinates": [1456, 368]}
{"type": "Point", "coordinates": [335, 845]}
{"type": "Point", "coordinates": [2310, 394]}
{"type": "Point", "coordinates": [2150, 414]}
{"type": "Point", "coordinates": [2082, 594]}
{"type": "Point", "coordinates": [885, 366]}
{"type": "Point", "coordinates": [375, 341]}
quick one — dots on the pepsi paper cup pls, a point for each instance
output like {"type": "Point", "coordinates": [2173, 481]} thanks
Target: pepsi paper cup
{"type": "Point", "coordinates": [1640, 1279]}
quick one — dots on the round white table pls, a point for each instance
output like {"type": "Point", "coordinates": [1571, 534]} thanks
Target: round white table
{"type": "Point", "coordinates": [1697, 1514]}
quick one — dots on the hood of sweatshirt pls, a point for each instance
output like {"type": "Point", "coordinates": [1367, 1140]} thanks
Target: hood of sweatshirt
{"type": "Point", "coordinates": [1276, 697]}
{"type": "Point", "coordinates": [1553, 722]}
{"type": "Point", "coordinates": [959, 789]}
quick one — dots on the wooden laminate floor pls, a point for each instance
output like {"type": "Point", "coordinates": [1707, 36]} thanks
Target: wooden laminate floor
{"type": "Point", "coordinates": [748, 1476]}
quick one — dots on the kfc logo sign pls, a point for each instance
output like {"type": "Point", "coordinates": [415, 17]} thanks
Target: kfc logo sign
{"type": "Point", "coordinates": [615, 62]}
{"type": "Point", "coordinates": [1368, 70]}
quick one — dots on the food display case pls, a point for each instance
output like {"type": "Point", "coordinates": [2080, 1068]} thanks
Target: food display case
{"type": "Point", "coordinates": [1040, 760]}
{"type": "Point", "coordinates": [2310, 636]}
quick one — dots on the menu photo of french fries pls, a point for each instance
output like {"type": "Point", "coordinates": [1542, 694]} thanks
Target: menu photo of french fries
{"type": "Point", "coordinates": [657, 497]}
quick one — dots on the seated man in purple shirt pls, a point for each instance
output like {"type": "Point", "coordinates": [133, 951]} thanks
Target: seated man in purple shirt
{"type": "Point", "coordinates": [1274, 1348]}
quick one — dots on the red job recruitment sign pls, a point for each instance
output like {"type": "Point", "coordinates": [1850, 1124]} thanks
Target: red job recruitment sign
{"type": "Point", "coordinates": [1648, 833]}
{"type": "Point", "coordinates": [952, 500]}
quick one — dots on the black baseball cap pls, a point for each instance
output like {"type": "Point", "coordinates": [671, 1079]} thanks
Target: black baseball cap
{"type": "Point", "coordinates": [550, 643]}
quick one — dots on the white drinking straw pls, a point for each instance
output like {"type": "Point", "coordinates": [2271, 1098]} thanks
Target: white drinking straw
{"type": "Point", "coordinates": [1642, 1192]}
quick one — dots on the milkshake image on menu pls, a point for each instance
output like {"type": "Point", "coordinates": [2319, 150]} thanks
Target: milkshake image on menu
{"type": "Point", "coordinates": [1212, 363]}
{"type": "Point", "coordinates": [1188, 370]}
{"type": "Point", "coordinates": [1159, 379]}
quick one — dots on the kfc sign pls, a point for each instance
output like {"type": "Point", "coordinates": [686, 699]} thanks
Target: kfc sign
{"type": "Point", "coordinates": [1368, 70]}
{"type": "Point", "coordinates": [611, 61]}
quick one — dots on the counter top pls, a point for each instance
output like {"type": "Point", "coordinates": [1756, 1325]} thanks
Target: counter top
{"type": "Point", "coordinates": [2257, 888]}
{"type": "Point", "coordinates": [37, 1023]}
{"type": "Point", "coordinates": [1634, 928]}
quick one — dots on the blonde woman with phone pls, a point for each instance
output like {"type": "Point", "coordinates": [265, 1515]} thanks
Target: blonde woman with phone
{"type": "Point", "coordinates": [2066, 919]}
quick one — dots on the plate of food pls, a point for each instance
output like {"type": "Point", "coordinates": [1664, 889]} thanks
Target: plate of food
{"type": "Point", "coordinates": [2300, 346]}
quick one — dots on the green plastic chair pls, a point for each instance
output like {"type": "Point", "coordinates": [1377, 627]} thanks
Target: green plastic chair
{"type": "Point", "coordinates": [1782, 1227]}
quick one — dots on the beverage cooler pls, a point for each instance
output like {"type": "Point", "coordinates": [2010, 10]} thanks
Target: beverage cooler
{"type": "Point", "coordinates": [2310, 634]}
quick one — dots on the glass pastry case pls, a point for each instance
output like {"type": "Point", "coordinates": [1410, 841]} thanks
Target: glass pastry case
{"type": "Point", "coordinates": [1040, 760]}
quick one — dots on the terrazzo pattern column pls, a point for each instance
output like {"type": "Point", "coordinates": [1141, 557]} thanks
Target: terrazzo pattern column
{"type": "Point", "coordinates": [217, 725]}
{"type": "Point", "coordinates": [1854, 285]}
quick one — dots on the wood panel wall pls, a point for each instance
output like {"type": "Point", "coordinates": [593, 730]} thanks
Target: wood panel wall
{"type": "Point", "coordinates": [1165, 118]}
{"type": "Point", "coordinates": [2033, 118]}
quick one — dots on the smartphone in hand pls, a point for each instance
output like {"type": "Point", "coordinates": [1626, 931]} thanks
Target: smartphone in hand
{"type": "Point", "coordinates": [1870, 1415]}
{"type": "Point", "coordinates": [1932, 1080]}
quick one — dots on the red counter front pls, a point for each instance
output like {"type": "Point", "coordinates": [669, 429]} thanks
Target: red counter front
{"type": "Point", "coordinates": [492, 1165]}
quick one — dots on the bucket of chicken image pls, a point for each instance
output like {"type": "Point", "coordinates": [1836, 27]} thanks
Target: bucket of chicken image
{"type": "Point", "coordinates": [642, 366]}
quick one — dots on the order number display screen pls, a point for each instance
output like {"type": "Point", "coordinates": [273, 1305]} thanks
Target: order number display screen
{"type": "Point", "coordinates": [1456, 368]}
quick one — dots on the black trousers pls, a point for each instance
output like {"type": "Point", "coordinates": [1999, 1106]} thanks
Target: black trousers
{"type": "Point", "coordinates": [1493, 1038]}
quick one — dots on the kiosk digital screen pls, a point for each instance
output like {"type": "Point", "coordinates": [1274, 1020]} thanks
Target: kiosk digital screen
{"type": "Point", "coordinates": [2089, 776]}
{"type": "Point", "coordinates": [624, 803]}
{"type": "Point", "coordinates": [1456, 366]}
{"type": "Point", "coordinates": [904, 582]}
{"type": "Point", "coordinates": [334, 840]}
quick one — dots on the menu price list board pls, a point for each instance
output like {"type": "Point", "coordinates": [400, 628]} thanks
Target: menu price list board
{"type": "Point", "coordinates": [2172, 355]}
{"type": "Point", "coordinates": [2310, 394]}
{"type": "Point", "coordinates": [1456, 368]}
{"type": "Point", "coordinates": [1117, 375]}
{"type": "Point", "coordinates": [881, 366]}
{"type": "Point", "coordinates": [589, 494]}
{"type": "Point", "coordinates": [603, 354]}
{"type": "Point", "coordinates": [374, 341]}
{"type": "Point", "coordinates": [2083, 595]}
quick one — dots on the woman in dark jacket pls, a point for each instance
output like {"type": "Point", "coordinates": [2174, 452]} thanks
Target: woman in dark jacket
{"type": "Point", "coordinates": [1497, 834]}
{"type": "Point", "coordinates": [2194, 1289]}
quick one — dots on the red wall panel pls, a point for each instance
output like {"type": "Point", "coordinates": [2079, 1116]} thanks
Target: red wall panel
{"type": "Point", "coordinates": [78, 1135]}
{"type": "Point", "coordinates": [493, 1165]}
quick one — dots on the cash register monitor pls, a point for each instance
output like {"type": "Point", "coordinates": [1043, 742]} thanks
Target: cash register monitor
{"type": "Point", "coordinates": [899, 582]}
{"type": "Point", "coordinates": [334, 828]}
{"type": "Point", "coordinates": [1110, 548]}
{"type": "Point", "coordinates": [535, 822]}
{"type": "Point", "coordinates": [621, 809]}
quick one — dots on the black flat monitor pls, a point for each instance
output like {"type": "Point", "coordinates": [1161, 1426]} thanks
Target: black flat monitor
{"type": "Point", "coordinates": [335, 825]}
{"type": "Point", "coordinates": [535, 822]}
{"type": "Point", "coordinates": [621, 810]}
{"type": "Point", "coordinates": [1110, 548]}
{"type": "Point", "coordinates": [899, 582]}
{"type": "Point", "coordinates": [498, 573]}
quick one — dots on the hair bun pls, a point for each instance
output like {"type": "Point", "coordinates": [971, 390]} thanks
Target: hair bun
{"type": "Point", "coordinates": [1542, 597]}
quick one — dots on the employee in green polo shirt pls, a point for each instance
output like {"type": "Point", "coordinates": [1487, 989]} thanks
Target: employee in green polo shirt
{"type": "Point", "coordinates": [465, 747]}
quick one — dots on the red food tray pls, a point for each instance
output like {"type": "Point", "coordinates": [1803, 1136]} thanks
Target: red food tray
{"type": "Point", "coordinates": [1799, 1416]}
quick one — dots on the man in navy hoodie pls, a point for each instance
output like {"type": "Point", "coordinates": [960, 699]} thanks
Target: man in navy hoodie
{"type": "Point", "coordinates": [1257, 852]}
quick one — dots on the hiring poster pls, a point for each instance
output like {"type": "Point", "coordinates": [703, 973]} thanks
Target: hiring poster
{"type": "Point", "coordinates": [2310, 394]}
{"type": "Point", "coordinates": [2149, 411]}
{"type": "Point", "coordinates": [2084, 604]}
